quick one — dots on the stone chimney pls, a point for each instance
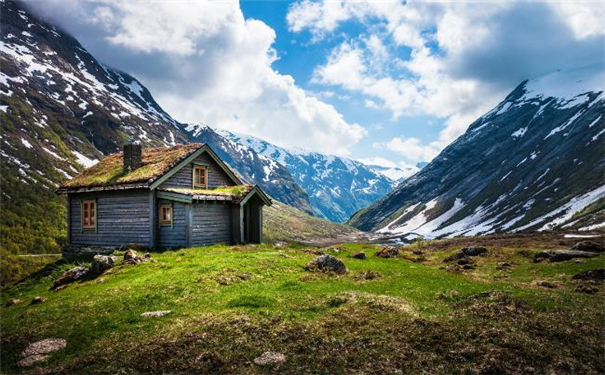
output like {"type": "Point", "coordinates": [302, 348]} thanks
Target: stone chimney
{"type": "Point", "coordinates": [133, 157]}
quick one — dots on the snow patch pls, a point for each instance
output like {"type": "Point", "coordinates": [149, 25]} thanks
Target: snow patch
{"type": "Point", "coordinates": [83, 160]}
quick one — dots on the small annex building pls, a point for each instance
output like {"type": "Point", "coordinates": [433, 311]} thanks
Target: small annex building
{"type": "Point", "coordinates": [179, 196]}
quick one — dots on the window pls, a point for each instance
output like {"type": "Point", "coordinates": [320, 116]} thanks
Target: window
{"type": "Point", "coordinates": [200, 176]}
{"type": "Point", "coordinates": [165, 214]}
{"type": "Point", "coordinates": [89, 214]}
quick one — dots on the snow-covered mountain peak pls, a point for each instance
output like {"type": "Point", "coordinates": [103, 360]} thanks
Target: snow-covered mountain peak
{"type": "Point", "coordinates": [337, 186]}
{"type": "Point", "coordinates": [566, 84]}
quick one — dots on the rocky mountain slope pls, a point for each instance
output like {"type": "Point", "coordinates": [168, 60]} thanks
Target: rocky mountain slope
{"type": "Point", "coordinates": [61, 111]}
{"type": "Point", "coordinates": [534, 162]}
{"type": "Point", "coordinates": [337, 186]}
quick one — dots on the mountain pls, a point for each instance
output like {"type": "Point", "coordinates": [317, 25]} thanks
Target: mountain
{"type": "Point", "coordinates": [534, 162]}
{"type": "Point", "coordinates": [397, 174]}
{"type": "Point", "coordinates": [61, 111]}
{"type": "Point", "coordinates": [254, 166]}
{"type": "Point", "coordinates": [337, 186]}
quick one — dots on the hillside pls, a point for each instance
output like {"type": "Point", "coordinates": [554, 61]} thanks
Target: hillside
{"type": "Point", "coordinates": [285, 223]}
{"type": "Point", "coordinates": [534, 162]}
{"type": "Point", "coordinates": [229, 305]}
{"type": "Point", "coordinates": [60, 111]}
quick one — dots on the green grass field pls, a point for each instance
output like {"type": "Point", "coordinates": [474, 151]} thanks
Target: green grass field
{"type": "Point", "coordinates": [230, 304]}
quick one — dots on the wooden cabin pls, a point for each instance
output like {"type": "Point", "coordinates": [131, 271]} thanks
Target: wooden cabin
{"type": "Point", "coordinates": [167, 197]}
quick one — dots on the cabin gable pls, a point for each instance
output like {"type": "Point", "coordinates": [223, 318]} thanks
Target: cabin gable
{"type": "Point", "coordinates": [183, 178]}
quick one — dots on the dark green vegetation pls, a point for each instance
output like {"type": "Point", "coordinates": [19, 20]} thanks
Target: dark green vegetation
{"type": "Point", "coordinates": [17, 267]}
{"type": "Point", "coordinates": [406, 314]}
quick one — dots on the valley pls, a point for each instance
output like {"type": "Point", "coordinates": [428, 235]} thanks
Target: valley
{"type": "Point", "coordinates": [226, 307]}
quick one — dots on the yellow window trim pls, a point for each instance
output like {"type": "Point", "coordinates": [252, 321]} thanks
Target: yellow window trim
{"type": "Point", "coordinates": [168, 207]}
{"type": "Point", "coordinates": [200, 167]}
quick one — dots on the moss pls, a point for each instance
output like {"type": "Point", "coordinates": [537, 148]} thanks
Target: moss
{"type": "Point", "coordinates": [109, 171]}
{"type": "Point", "coordinates": [237, 191]}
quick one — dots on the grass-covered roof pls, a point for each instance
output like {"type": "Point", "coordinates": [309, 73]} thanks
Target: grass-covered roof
{"type": "Point", "coordinates": [110, 172]}
{"type": "Point", "coordinates": [235, 192]}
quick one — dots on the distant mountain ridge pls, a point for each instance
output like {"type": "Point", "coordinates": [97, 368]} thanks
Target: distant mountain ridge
{"type": "Point", "coordinates": [336, 186]}
{"type": "Point", "coordinates": [535, 162]}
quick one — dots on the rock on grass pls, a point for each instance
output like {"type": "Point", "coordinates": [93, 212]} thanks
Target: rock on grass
{"type": "Point", "coordinates": [326, 263]}
{"type": "Point", "coordinates": [38, 351]}
{"type": "Point", "coordinates": [270, 359]}
{"type": "Point", "coordinates": [474, 251]}
{"type": "Point", "coordinates": [597, 274]}
{"type": "Point", "coordinates": [592, 246]}
{"type": "Point", "coordinates": [74, 274]}
{"type": "Point", "coordinates": [156, 313]}
{"type": "Point", "coordinates": [100, 263]}
{"type": "Point", "coordinates": [388, 252]}
{"type": "Point", "coordinates": [360, 255]}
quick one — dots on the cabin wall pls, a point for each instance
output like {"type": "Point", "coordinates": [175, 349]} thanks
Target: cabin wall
{"type": "Point", "coordinates": [122, 217]}
{"type": "Point", "coordinates": [184, 177]}
{"type": "Point", "coordinates": [175, 235]}
{"type": "Point", "coordinates": [210, 223]}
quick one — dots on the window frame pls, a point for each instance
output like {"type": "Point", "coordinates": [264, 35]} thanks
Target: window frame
{"type": "Point", "coordinates": [194, 181]}
{"type": "Point", "coordinates": [161, 221]}
{"type": "Point", "coordinates": [87, 203]}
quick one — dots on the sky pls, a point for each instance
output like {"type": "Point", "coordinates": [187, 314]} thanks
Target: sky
{"type": "Point", "coordinates": [386, 82]}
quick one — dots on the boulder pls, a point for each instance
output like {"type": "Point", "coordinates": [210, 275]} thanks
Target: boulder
{"type": "Point", "coordinates": [474, 251]}
{"type": "Point", "coordinates": [588, 289]}
{"type": "Point", "coordinates": [74, 274]}
{"type": "Point", "coordinates": [44, 347]}
{"type": "Point", "coordinates": [456, 256]}
{"type": "Point", "coordinates": [388, 252]}
{"type": "Point", "coordinates": [597, 274]}
{"type": "Point", "coordinates": [465, 260]}
{"type": "Point", "coordinates": [359, 255]}
{"type": "Point", "coordinates": [546, 284]}
{"type": "Point", "coordinates": [131, 257]}
{"type": "Point", "coordinates": [326, 263]}
{"type": "Point", "coordinates": [130, 254]}
{"type": "Point", "coordinates": [563, 255]}
{"type": "Point", "coordinates": [592, 246]}
{"type": "Point", "coordinates": [100, 263]}
{"type": "Point", "coordinates": [270, 359]}
{"type": "Point", "coordinates": [542, 255]}
{"type": "Point", "coordinates": [39, 351]}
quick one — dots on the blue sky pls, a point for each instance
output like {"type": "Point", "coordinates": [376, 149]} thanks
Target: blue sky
{"type": "Point", "coordinates": [389, 82]}
{"type": "Point", "coordinates": [299, 57]}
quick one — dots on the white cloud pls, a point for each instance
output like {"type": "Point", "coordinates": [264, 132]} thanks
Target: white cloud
{"type": "Point", "coordinates": [209, 65]}
{"type": "Point", "coordinates": [465, 56]}
{"type": "Point", "coordinates": [410, 148]}
{"type": "Point", "coordinates": [381, 162]}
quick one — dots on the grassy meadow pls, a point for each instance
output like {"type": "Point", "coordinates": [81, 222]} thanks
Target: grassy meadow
{"type": "Point", "coordinates": [229, 304]}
